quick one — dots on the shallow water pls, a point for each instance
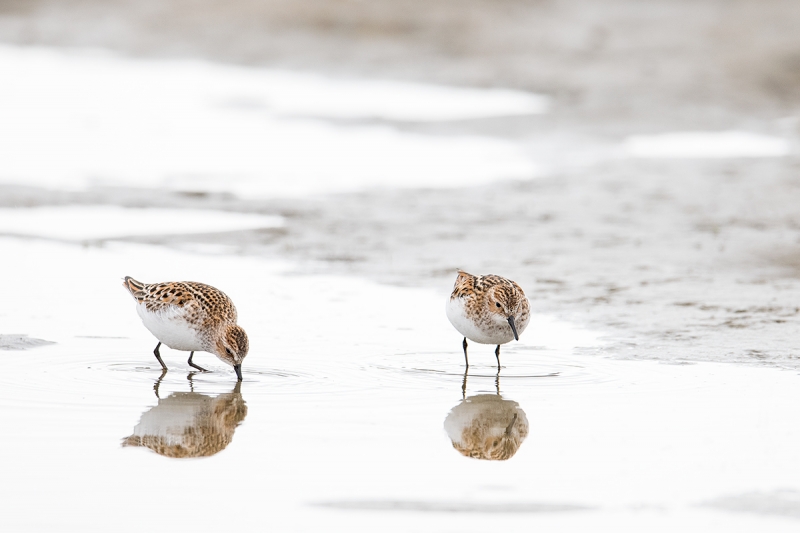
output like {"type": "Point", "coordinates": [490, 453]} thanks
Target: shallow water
{"type": "Point", "coordinates": [706, 145]}
{"type": "Point", "coordinates": [355, 412]}
{"type": "Point", "coordinates": [88, 223]}
{"type": "Point", "coordinates": [105, 120]}
{"type": "Point", "coordinates": [340, 421]}
{"type": "Point", "coordinates": [197, 126]}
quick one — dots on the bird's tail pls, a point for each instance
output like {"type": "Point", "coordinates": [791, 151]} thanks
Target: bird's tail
{"type": "Point", "coordinates": [136, 288]}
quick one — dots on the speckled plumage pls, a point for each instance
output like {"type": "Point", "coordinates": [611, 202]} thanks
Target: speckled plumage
{"type": "Point", "coordinates": [190, 316]}
{"type": "Point", "coordinates": [487, 310]}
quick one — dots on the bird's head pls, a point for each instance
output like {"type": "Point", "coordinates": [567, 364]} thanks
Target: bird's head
{"type": "Point", "coordinates": [232, 347]}
{"type": "Point", "coordinates": [505, 304]}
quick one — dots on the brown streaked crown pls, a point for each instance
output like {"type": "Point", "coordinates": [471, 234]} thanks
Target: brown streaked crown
{"type": "Point", "coordinates": [468, 285]}
{"type": "Point", "coordinates": [237, 340]}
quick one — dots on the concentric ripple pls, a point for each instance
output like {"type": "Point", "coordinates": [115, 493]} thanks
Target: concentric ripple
{"type": "Point", "coordinates": [107, 371]}
{"type": "Point", "coordinates": [545, 368]}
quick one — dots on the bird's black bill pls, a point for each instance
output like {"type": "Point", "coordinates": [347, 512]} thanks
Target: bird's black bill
{"type": "Point", "coordinates": [238, 369]}
{"type": "Point", "coordinates": [513, 327]}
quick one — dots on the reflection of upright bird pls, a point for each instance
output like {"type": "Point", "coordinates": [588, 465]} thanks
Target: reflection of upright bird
{"type": "Point", "coordinates": [486, 426]}
{"type": "Point", "coordinates": [191, 316]}
{"type": "Point", "coordinates": [487, 310]}
{"type": "Point", "coordinates": [190, 424]}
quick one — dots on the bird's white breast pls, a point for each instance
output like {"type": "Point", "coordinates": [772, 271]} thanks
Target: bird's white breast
{"type": "Point", "coordinates": [171, 328]}
{"type": "Point", "coordinates": [481, 329]}
{"type": "Point", "coordinates": [473, 328]}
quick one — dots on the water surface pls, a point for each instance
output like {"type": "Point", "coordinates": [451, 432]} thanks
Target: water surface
{"type": "Point", "coordinates": [353, 398]}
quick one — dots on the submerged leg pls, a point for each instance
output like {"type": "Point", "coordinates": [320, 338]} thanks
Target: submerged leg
{"type": "Point", "coordinates": [158, 356]}
{"type": "Point", "coordinates": [194, 365]}
{"type": "Point", "coordinates": [497, 354]}
{"type": "Point", "coordinates": [464, 384]}
{"type": "Point", "coordinates": [465, 352]}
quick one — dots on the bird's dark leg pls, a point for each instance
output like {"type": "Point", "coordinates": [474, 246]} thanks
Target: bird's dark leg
{"type": "Point", "coordinates": [464, 344]}
{"type": "Point", "coordinates": [497, 354]}
{"type": "Point", "coordinates": [194, 365]}
{"type": "Point", "coordinates": [464, 384]}
{"type": "Point", "coordinates": [158, 356]}
{"type": "Point", "coordinates": [497, 381]}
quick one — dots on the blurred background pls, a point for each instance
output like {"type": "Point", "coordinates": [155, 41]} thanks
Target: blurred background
{"type": "Point", "coordinates": [632, 164]}
{"type": "Point", "coordinates": [683, 64]}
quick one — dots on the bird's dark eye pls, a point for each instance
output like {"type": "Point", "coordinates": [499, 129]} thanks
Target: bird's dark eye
{"type": "Point", "coordinates": [228, 351]}
{"type": "Point", "coordinates": [497, 304]}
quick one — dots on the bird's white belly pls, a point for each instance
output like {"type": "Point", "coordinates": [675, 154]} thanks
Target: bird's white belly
{"type": "Point", "coordinates": [171, 328]}
{"type": "Point", "coordinates": [474, 331]}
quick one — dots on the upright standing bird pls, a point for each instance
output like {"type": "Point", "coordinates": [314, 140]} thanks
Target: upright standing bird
{"type": "Point", "coordinates": [487, 310]}
{"type": "Point", "coordinates": [191, 316]}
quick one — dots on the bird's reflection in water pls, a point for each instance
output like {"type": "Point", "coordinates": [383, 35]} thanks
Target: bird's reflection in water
{"type": "Point", "coordinates": [189, 424]}
{"type": "Point", "coordinates": [485, 426]}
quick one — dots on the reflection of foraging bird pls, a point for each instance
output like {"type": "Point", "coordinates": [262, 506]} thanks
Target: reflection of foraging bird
{"type": "Point", "coordinates": [487, 310]}
{"type": "Point", "coordinates": [486, 426]}
{"type": "Point", "coordinates": [190, 424]}
{"type": "Point", "coordinates": [191, 316]}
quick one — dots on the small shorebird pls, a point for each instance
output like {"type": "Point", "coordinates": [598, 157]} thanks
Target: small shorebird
{"type": "Point", "coordinates": [190, 316]}
{"type": "Point", "coordinates": [487, 310]}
